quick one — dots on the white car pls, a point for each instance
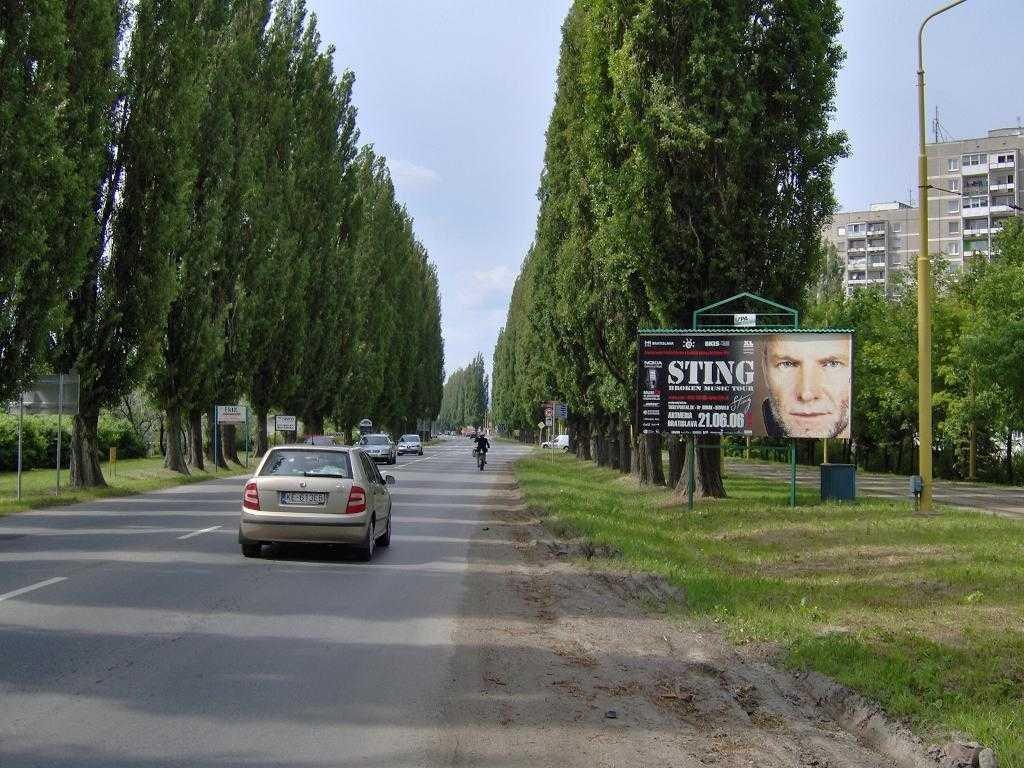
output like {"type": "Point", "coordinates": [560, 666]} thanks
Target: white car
{"type": "Point", "coordinates": [561, 443]}
{"type": "Point", "coordinates": [379, 448]}
{"type": "Point", "coordinates": [410, 444]}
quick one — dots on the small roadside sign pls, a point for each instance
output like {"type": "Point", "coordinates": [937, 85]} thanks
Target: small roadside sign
{"type": "Point", "coordinates": [744, 321]}
{"type": "Point", "coordinates": [285, 423]}
{"type": "Point", "coordinates": [231, 414]}
{"type": "Point", "coordinates": [561, 411]}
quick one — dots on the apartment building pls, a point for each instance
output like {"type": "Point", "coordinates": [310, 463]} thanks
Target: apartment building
{"type": "Point", "coordinates": [875, 243]}
{"type": "Point", "coordinates": [975, 188]}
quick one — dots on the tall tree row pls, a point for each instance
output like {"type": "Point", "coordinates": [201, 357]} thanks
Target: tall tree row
{"type": "Point", "coordinates": [465, 398]}
{"type": "Point", "coordinates": [688, 158]}
{"type": "Point", "coordinates": [186, 209]}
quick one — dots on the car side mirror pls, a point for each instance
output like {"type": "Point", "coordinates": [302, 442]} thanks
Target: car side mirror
{"type": "Point", "coordinates": [389, 479]}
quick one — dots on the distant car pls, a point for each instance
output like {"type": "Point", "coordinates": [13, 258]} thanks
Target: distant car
{"type": "Point", "coordinates": [316, 494]}
{"type": "Point", "coordinates": [410, 444]}
{"type": "Point", "coordinates": [320, 440]}
{"type": "Point", "coordinates": [379, 448]}
{"type": "Point", "coordinates": [561, 443]}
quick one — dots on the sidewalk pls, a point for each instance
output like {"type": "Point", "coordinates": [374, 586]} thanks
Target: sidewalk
{"type": "Point", "coordinates": [1005, 501]}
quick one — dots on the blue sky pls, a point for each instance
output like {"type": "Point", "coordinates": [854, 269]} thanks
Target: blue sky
{"type": "Point", "coordinates": [457, 94]}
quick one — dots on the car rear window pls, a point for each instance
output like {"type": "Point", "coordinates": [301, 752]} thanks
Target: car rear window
{"type": "Point", "coordinates": [411, 438]}
{"type": "Point", "coordinates": [375, 440]}
{"type": "Point", "coordinates": [293, 462]}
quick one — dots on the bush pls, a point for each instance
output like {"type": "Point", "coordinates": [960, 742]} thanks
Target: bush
{"type": "Point", "coordinates": [38, 442]}
{"type": "Point", "coordinates": [120, 434]}
{"type": "Point", "coordinates": [39, 445]}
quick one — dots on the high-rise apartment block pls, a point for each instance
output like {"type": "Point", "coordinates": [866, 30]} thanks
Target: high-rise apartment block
{"type": "Point", "coordinates": [975, 188]}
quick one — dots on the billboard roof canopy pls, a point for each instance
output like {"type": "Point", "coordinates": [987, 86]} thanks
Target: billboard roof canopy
{"type": "Point", "coordinates": [747, 300]}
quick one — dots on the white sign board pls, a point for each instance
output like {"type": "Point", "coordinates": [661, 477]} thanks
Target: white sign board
{"type": "Point", "coordinates": [285, 423]}
{"type": "Point", "coordinates": [231, 414]}
{"type": "Point", "coordinates": [744, 321]}
{"type": "Point", "coordinates": [53, 394]}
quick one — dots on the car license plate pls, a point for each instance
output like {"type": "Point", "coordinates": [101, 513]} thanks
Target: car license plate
{"type": "Point", "coordinates": [303, 498]}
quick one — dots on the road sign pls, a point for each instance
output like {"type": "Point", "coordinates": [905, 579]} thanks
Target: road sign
{"type": "Point", "coordinates": [285, 423]}
{"type": "Point", "coordinates": [53, 394]}
{"type": "Point", "coordinates": [561, 411]}
{"type": "Point", "coordinates": [231, 414]}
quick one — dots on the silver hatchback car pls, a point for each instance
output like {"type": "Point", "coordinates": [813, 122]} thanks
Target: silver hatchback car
{"type": "Point", "coordinates": [316, 494]}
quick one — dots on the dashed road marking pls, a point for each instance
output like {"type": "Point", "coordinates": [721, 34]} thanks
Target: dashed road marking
{"type": "Point", "coordinates": [197, 533]}
{"type": "Point", "coordinates": [31, 587]}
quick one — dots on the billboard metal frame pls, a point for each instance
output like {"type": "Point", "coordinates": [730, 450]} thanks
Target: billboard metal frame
{"type": "Point", "coordinates": [782, 319]}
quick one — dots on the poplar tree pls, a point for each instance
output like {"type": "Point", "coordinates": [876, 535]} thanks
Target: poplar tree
{"type": "Point", "coordinates": [34, 192]}
{"type": "Point", "coordinates": [119, 306]}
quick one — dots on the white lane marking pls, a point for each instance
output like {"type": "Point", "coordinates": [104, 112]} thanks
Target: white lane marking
{"type": "Point", "coordinates": [39, 585]}
{"type": "Point", "coordinates": [197, 533]}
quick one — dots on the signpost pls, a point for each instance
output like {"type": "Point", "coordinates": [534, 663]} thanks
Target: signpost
{"type": "Point", "coordinates": [285, 424]}
{"type": "Point", "coordinates": [229, 414]}
{"type": "Point", "coordinates": [57, 394]}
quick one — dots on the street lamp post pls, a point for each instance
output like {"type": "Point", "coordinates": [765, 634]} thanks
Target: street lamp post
{"type": "Point", "coordinates": [924, 280]}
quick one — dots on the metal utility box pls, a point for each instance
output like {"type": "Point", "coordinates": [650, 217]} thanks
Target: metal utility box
{"type": "Point", "coordinates": [838, 482]}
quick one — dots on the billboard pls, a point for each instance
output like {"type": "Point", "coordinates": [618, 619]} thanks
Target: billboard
{"type": "Point", "coordinates": [763, 384]}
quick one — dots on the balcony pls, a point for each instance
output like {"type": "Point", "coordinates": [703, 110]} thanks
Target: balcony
{"type": "Point", "coordinates": [996, 165]}
{"type": "Point", "coordinates": [860, 250]}
{"type": "Point", "coordinates": [976, 232]}
{"type": "Point", "coordinates": [1006, 186]}
{"type": "Point", "coordinates": [857, 264]}
{"type": "Point", "coordinates": [974, 170]}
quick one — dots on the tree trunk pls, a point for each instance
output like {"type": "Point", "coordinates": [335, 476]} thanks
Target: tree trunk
{"type": "Point", "coordinates": [708, 475]}
{"type": "Point", "coordinates": [195, 439]}
{"type": "Point", "coordinates": [85, 455]}
{"type": "Point", "coordinates": [614, 454]}
{"type": "Point", "coordinates": [229, 439]}
{"type": "Point", "coordinates": [972, 453]}
{"type": "Point", "coordinates": [313, 423]}
{"type": "Point", "coordinates": [652, 471]}
{"type": "Point", "coordinates": [1009, 455]}
{"type": "Point", "coordinates": [583, 440]}
{"type": "Point", "coordinates": [261, 431]}
{"type": "Point", "coordinates": [174, 459]}
{"type": "Point", "coordinates": [625, 446]}
{"type": "Point", "coordinates": [676, 457]}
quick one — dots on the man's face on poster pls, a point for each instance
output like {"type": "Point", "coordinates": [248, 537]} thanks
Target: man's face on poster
{"type": "Point", "coordinates": [809, 384]}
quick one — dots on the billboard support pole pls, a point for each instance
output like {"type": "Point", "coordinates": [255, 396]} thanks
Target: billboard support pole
{"type": "Point", "coordinates": [792, 472]}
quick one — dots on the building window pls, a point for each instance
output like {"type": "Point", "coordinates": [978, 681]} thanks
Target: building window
{"type": "Point", "coordinates": [897, 227]}
{"type": "Point", "coordinates": [954, 249]}
{"type": "Point", "coordinates": [954, 206]}
{"type": "Point", "coordinates": [975, 159]}
{"type": "Point", "coordinates": [952, 164]}
{"type": "Point", "coordinates": [953, 227]}
{"type": "Point", "coordinates": [954, 185]}
{"type": "Point", "coordinates": [842, 231]}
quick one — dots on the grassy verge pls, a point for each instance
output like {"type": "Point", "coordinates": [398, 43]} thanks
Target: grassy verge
{"type": "Point", "coordinates": [924, 614]}
{"type": "Point", "coordinates": [131, 476]}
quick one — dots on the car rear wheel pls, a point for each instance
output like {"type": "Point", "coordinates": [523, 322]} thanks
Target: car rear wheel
{"type": "Point", "coordinates": [385, 540]}
{"type": "Point", "coordinates": [251, 548]}
{"type": "Point", "coordinates": [369, 543]}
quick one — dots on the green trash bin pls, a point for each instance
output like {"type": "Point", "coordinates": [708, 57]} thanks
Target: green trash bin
{"type": "Point", "coordinates": [838, 482]}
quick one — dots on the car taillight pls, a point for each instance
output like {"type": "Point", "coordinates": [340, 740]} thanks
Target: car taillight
{"type": "Point", "coordinates": [251, 496]}
{"type": "Point", "coordinates": [356, 501]}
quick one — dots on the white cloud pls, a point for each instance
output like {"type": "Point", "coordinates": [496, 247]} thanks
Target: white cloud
{"type": "Point", "coordinates": [411, 174]}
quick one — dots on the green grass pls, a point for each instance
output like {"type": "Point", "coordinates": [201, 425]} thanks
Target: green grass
{"type": "Point", "coordinates": [924, 614]}
{"type": "Point", "coordinates": [131, 476]}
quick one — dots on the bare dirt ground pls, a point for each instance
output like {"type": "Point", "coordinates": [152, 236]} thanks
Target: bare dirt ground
{"type": "Point", "coordinates": [568, 665]}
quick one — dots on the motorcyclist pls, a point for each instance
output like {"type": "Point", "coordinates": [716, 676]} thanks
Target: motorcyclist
{"type": "Point", "coordinates": [482, 445]}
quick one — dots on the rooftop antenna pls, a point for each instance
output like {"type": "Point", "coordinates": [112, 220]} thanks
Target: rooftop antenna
{"type": "Point", "coordinates": [941, 134]}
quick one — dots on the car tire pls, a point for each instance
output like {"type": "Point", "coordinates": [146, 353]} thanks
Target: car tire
{"type": "Point", "coordinates": [365, 551]}
{"type": "Point", "coordinates": [251, 548]}
{"type": "Point", "coordinates": [385, 539]}
{"type": "Point", "coordinates": [421, 452]}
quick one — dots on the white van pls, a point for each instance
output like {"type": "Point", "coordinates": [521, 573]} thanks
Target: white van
{"type": "Point", "coordinates": [561, 443]}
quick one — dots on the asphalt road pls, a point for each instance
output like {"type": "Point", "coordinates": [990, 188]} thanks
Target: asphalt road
{"type": "Point", "coordinates": [133, 632]}
{"type": "Point", "coordinates": [1005, 501]}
